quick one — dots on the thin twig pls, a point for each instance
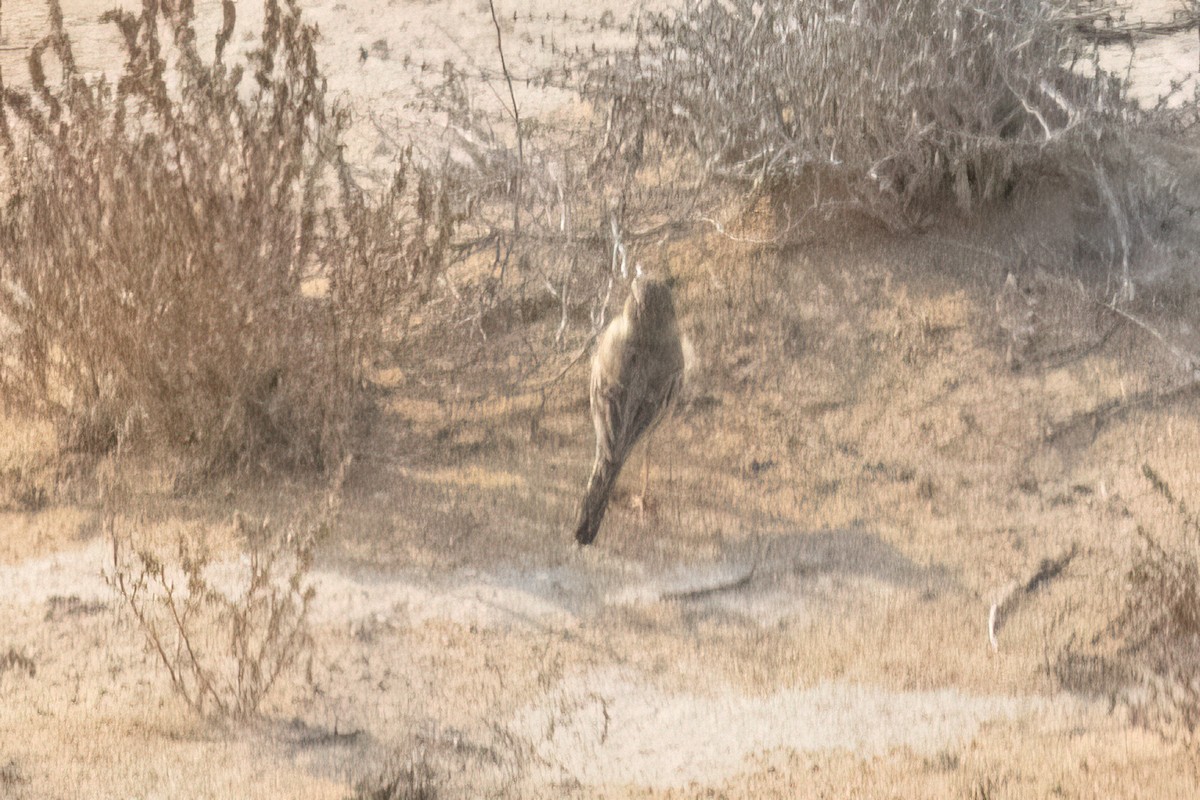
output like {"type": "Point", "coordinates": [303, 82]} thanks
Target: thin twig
{"type": "Point", "coordinates": [740, 582]}
{"type": "Point", "coordinates": [1188, 360]}
{"type": "Point", "coordinates": [1122, 222]}
{"type": "Point", "coordinates": [1129, 33]}
{"type": "Point", "coordinates": [562, 372]}
{"type": "Point", "coordinates": [740, 239]}
{"type": "Point", "coordinates": [516, 115]}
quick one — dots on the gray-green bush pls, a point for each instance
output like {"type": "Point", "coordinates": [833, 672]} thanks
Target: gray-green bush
{"type": "Point", "coordinates": [884, 106]}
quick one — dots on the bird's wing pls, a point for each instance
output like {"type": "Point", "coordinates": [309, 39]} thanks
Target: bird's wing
{"type": "Point", "coordinates": [607, 400]}
{"type": "Point", "coordinates": [649, 397]}
{"type": "Point", "coordinates": [634, 384]}
{"type": "Point", "coordinates": [608, 393]}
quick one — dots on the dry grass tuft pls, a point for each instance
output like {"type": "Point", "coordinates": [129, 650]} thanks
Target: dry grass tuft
{"type": "Point", "coordinates": [1159, 624]}
{"type": "Point", "coordinates": [14, 660]}
{"type": "Point", "coordinates": [414, 780]}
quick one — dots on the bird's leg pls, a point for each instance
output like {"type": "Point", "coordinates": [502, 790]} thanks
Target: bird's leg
{"type": "Point", "coordinates": [642, 501]}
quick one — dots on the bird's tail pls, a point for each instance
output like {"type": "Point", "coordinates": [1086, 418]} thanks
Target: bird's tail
{"type": "Point", "coordinates": [591, 512]}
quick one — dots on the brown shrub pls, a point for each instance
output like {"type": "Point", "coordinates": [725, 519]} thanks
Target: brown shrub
{"type": "Point", "coordinates": [162, 234]}
{"type": "Point", "coordinates": [1158, 627]}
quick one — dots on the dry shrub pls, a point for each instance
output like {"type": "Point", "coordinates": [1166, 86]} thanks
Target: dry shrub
{"type": "Point", "coordinates": [12, 777]}
{"type": "Point", "coordinates": [531, 260]}
{"type": "Point", "coordinates": [412, 780]}
{"type": "Point", "coordinates": [884, 106]}
{"type": "Point", "coordinates": [161, 236]}
{"type": "Point", "coordinates": [17, 661]}
{"type": "Point", "coordinates": [1159, 624]}
{"type": "Point", "coordinates": [22, 489]}
{"type": "Point", "coordinates": [224, 633]}
{"type": "Point", "coordinates": [1128, 207]}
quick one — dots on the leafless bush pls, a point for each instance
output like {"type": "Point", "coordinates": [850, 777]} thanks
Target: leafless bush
{"type": "Point", "coordinates": [186, 260]}
{"type": "Point", "coordinates": [1127, 206]}
{"type": "Point", "coordinates": [533, 257]}
{"type": "Point", "coordinates": [225, 634]}
{"type": "Point", "coordinates": [21, 489]}
{"type": "Point", "coordinates": [1159, 624]}
{"type": "Point", "coordinates": [12, 777]}
{"type": "Point", "coordinates": [386, 253]}
{"type": "Point", "coordinates": [887, 107]}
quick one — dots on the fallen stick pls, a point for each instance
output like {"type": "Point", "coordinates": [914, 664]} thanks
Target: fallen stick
{"type": "Point", "coordinates": [1015, 593]}
{"type": "Point", "coordinates": [706, 591]}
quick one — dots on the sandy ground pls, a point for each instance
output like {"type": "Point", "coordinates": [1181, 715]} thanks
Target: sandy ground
{"type": "Point", "coordinates": [803, 616]}
{"type": "Point", "coordinates": [380, 56]}
{"type": "Point", "coordinates": [1156, 63]}
{"type": "Point", "coordinates": [601, 725]}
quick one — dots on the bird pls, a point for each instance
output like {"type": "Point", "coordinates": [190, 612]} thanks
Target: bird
{"type": "Point", "coordinates": [637, 377]}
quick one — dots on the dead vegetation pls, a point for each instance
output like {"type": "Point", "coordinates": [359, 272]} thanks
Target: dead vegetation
{"type": "Point", "coordinates": [224, 640]}
{"type": "Point", "coordinates": [890, 109]}
{"type": "Point", "coordinates": [163, 233]}
{"type": "Point", "coordinates": [17, 661]}
{"type": "Point", "coordinates": [191, 266]}
{"type": "Point", "coordinates": [414, 780]}
{"type": "Point", "coordinates": [1158, 627]}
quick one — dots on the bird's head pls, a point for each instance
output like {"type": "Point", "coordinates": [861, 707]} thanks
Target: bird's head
{"type": "Point", "coordinates": [650, 301]}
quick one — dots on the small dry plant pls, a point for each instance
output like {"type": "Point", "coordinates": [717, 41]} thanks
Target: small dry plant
{"type": "Point", "coordinates": [413, 780]}
{"type": "Point", "coordinates": [225, 633]}
{"type": "Point", "coordinates": [186, 258]}
{"type": "Point", "coordinates": [887, 107]}
{"type": "Point", "coordinates": [1159, 624]}
{"type": "Point", "coordinates": [18, 661]}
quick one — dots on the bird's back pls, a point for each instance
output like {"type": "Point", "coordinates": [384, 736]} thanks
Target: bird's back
{"type": "Point", "coordinates": [636, 375]}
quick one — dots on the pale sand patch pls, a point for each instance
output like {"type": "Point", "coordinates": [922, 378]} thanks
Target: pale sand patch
{"type": "Point", "coordinates": [468, 599]}
{"type": "Point", "coordinates": [475, 602]}
{"type": "Point", "coordinates": [552, 598]}
{"type": "Point", "coordinates": [68, 573]}
{"type": "Point", "coordinates": [610, 727]}
{"type": "Point", "coordinates": [1156, 62]}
